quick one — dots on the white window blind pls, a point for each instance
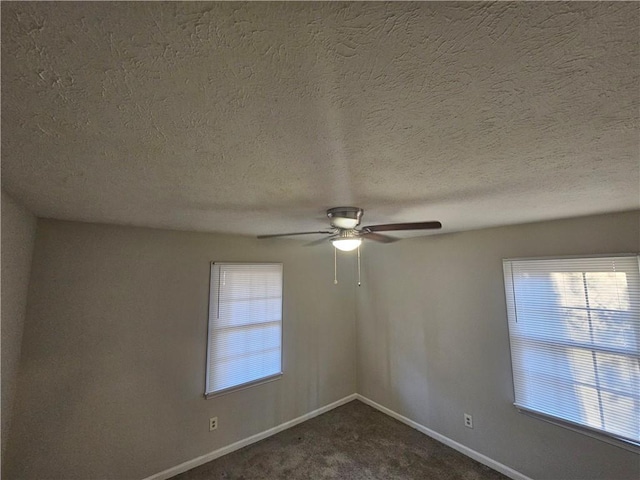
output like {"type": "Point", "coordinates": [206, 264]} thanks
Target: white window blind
{"type": "Point", "coordinates": [245, 325]}
{"type": "Point", "coordinates": [574, 326]}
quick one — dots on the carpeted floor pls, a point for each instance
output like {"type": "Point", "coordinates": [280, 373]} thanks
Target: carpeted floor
{"type": "Point", "coordinates": [353, 441]}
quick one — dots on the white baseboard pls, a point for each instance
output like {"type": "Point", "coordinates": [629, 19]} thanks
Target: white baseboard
{"type": "Point", "coordinates": [508, 471]}
{"type": "Point", "coordinates": [196, 462]}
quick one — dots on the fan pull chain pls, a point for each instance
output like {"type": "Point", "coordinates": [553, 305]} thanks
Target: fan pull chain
{"type": "Point", "coordinates": [335, 266]}
{"type": "Point", "coordinates": [359, 266]}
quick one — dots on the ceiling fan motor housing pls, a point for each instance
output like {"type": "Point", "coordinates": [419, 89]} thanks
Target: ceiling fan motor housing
{"type": "Point", "coordinates": [345, 217]}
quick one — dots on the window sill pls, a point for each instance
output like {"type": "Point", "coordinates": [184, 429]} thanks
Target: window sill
{"type": "Point", "coordinates": [244, 386]}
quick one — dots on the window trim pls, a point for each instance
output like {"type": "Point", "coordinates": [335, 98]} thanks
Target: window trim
{"type": "Point", "coordinates": [606, 437]}
{"type": "Point", "coordinates": [259, 381]}
{"type": "Point", "coordinates": [244, 386]}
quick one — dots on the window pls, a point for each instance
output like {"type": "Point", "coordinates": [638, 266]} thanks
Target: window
{"type": "Point", "coordinates": [245, 325]}
{"type": "Point", "coordinates": [574, 326]}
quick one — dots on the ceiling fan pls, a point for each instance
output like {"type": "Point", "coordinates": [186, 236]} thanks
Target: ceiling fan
{"type": "Point", "coordinates": [345, 236]}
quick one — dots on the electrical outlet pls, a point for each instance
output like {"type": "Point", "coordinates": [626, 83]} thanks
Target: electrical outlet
{"type": "Point", "coordinates": [468, 420]}
{"type": "Point", "coordinates": [213, 423]}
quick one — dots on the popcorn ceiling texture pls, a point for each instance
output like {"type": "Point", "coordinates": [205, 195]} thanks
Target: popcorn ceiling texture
{"type": "Point", "coordinates": [254, 118]}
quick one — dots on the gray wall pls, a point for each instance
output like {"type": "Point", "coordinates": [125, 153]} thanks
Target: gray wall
{"type": "Point", "coordinates": [112, 371]}
{"type": "Point", "coordinates": [433, 341]}
{"type": "Point", "coordinates": [112, 375]}
{"type": "Point", "coordinates": [18, 234]}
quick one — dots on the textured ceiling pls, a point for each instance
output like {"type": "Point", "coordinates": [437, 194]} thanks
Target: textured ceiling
{"type": "Point", "coordinates": [255, 118]}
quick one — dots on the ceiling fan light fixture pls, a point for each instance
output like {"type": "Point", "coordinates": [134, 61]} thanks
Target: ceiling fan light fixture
{"type": "Point", "coordinates": [346, 244]}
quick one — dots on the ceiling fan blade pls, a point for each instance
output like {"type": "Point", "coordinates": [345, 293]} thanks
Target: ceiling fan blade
{"type": "Point", "coordinates": [376, 237]}
{"type": "Point", "coordinates": [291, 234]}
{"type": "Point", "coordinates": [390, 227]}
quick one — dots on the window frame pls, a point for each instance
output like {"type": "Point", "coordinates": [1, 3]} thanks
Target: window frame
{"type": "Point", "coordinates": [512, 314]}
{"type": "Point", "coordinates": [213, 303]}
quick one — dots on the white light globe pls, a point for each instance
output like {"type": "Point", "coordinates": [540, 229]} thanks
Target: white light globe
{"type": "Point", "coordinates": [346, 244]}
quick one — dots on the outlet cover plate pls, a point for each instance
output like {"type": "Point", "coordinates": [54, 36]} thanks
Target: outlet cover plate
{"type": "Point", "coordinates": [468, 420]}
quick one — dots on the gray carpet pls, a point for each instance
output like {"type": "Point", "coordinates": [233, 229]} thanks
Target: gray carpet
{"type": "Point", "coordinates": [353, 441]}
